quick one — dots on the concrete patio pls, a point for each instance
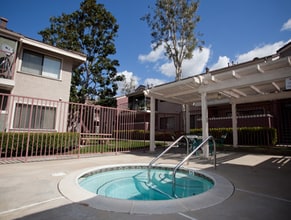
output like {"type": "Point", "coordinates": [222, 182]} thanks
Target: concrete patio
{"type": "Point", "coordinates": [261, 188]}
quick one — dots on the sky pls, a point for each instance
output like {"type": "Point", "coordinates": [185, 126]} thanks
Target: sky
{"type": "Point", "coordinates": [234, 31]}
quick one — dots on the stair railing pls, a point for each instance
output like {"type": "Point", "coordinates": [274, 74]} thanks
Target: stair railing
{"type": "Point", "coordinates": [187, 158]}
{"type": "Point", "coordinates": [165, 151]}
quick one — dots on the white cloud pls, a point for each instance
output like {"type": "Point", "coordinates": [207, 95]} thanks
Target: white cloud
{"type": "Point", "coordinates": [128, 77]}
{"type": "Point", "coordinates": [153, 82]}
{"type": "Point", "coordinates": [190, 67]}
{"type": "Point", "coordinates": [222, 62]}
{"type": "Point", "coordinates": [200, 59]}
{"type": "Point", "coordinates": [153, 56]}
{"type": "Point", "coordinates": [197, 64]}
{"type": "Point", "coordinates": [168, 69]}
{"type": "Point", "coordinates": [262, 51]}
{"type": "Point", "coordinates": [286, 25]}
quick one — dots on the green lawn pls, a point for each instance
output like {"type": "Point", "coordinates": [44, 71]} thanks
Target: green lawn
{"type": "Point", "coordinates": [112, 146]}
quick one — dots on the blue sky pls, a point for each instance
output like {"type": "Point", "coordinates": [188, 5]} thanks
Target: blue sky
{"type": "Point", "coordinates": [233, 31]}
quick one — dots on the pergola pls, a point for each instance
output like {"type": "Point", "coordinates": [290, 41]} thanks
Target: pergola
{"type": "Point", "coordinates": [255, 81]}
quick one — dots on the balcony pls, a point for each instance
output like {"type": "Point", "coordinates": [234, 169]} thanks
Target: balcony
{"type": "Point", "coordinates": [6, 84]}
{"type": "Point", "coordinates": [6, 69]}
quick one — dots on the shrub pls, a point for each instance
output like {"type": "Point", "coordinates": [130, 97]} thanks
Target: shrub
{"type": "Point", "coordinates": [246, 136]}
{"type": "Point", "coordinates": [33, 144]}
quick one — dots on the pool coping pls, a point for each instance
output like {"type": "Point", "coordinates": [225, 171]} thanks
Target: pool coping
{"type": "Point", "coordinates": [70, 189]}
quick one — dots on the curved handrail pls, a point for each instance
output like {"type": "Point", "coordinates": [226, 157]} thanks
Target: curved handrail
{"type": "Point", "coordinates": [165, 151]}
{"type": "Point", "coordinates": [187, 158]}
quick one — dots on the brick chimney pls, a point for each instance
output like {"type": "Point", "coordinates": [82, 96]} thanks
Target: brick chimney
{"type": "Point", "coordinates": [3, 22]}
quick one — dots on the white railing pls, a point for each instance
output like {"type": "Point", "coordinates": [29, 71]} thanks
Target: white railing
{"type": "Point", "coordinates": [188, 157]}
{"type": "Point", "coordinates": [174, 144]}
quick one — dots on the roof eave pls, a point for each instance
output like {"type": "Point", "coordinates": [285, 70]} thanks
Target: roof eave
{"type": "Point", "coordinates": [76, 56]}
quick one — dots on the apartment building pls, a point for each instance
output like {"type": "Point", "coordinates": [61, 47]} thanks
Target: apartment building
{"type": "Point", "coordinates": [260, 91]}
{"type": "Point", "coordinates": [34, 77]}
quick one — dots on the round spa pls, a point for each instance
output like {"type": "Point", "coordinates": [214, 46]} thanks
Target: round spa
{"type": "Point", "coordinates": [140, 183]}
{"type": "Point", "coordinates": [133, 188]}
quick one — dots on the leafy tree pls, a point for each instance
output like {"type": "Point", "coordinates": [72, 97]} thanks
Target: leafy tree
{"type": "Point", "coordinates": [90, 30]}
{"type": "Point", "coordinates": [172, 24]}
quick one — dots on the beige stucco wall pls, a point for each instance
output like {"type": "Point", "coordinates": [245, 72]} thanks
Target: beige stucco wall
{"type": "Point", "coordinates": [39, 87]}
{"type": "Point", "coordinates": [44, 87]}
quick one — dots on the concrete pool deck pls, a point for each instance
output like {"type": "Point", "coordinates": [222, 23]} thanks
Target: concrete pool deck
{"type": "Point", "coordinates": [261, 188]}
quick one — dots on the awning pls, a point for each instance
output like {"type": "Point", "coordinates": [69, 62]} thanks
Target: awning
{"type": "Point", "coordinates": [255, 82]}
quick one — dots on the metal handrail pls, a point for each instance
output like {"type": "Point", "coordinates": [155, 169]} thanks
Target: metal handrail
{"type": "Point", "coordinates": [187, 158]}
{"type": "Point", "coordinates": [165, 151]}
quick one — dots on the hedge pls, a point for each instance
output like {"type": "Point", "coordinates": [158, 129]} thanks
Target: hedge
{"type": "Point", "coordinates": [15, 143]}
{"type": "Point", "coordinates": [257, 136]}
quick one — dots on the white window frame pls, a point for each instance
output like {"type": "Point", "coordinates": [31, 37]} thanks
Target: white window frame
{"type": "Point", "coordinates": [46, 68]}
{"type": "Point", "coordinates": [23, 102]}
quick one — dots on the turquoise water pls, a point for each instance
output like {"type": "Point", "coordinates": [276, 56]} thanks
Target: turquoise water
{"type": "Point", "coordinates": [132, 183]}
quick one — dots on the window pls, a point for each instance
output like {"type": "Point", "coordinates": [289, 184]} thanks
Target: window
{"type": "Point", "coordinates": [38, 64]}
{"type": "Point", "coordinates": [34, 117]}
{"type": "Point", "coordinates": [3, 100]}
{"type": "Point", "coordinates": [167, 123]}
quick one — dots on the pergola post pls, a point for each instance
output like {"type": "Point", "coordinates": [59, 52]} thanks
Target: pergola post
{"type": "Point", "coordinates": [152, 124]}
{"type": "Point", "coordinates": [234, 124]}
{"type": "Point", "coordinates": [205, 133]}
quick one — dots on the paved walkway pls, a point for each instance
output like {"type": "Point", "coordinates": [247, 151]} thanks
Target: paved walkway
{"type": "Point", "coordinates": [262, 188]}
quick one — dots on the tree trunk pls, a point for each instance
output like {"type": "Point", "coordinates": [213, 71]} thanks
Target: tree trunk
{"type": "Point", "coordinates": [178, 73]}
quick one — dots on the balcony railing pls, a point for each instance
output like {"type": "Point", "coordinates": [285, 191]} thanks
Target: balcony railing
{"type": "Point", "coordinates": [6, 64]}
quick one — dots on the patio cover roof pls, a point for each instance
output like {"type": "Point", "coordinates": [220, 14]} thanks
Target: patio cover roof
{"type": "Point", "coordinates": [258, 80]}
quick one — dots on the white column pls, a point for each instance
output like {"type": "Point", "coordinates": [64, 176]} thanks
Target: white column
{"type": "Point", "coordinates": [152, 124]}
{"type": "Point", "coordinates": [234, 124]}
{"type": "Point", "coordinates": [204, 110]}
{"type": "Point", "coordinates": [187, 119]}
